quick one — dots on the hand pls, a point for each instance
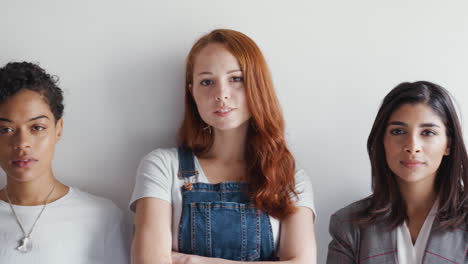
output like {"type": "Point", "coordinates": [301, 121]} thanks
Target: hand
{"type": "Point", "coordinates": [180, 258]}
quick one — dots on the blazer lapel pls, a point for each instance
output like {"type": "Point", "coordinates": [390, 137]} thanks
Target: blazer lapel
{"type": "Point", "coordinates": [378, 245]}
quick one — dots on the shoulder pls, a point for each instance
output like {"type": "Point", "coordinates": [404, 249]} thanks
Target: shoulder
{"type": "Point", "coordinates": [348, 212]}
{"type": "Point", "coordinates": [162, 154]}
{"type": "Point", "coordinates": [98, 215]}
{"type": "Point", "coordinates": [301, 177]}
{"type": "Point", "coordinates": [343, 222]}
{"type": "Point", "coordinates": [346, 234]}
{"type": "Point", "coordinates": [300, 173]}
{"type": "Point", "coordinates": [161, 161]}
{"type": "Point", "coordinates": [92, 202]}
{"type": "Point", "coordinates": [156, 175]}
{"type": "Point", "coordinates": [304, 189]}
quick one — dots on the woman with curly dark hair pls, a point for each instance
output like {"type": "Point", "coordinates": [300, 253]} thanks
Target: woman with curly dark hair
{"type": "Point", "coordinates": [224, 193]}
{"type": "Point", "coordinates": [43, 220]}
{"type": "Point", "coordinates": [418, 209]}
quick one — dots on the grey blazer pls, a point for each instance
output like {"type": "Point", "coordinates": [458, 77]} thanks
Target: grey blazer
{"type": "Point", "coordinates": [372, 245]}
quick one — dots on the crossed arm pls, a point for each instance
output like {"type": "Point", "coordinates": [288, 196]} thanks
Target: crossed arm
{"type": "Point", "coordinates": [152, 241]}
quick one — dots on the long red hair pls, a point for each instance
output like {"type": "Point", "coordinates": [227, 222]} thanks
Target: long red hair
{"type": "Point", "coordinates": [271, 166]}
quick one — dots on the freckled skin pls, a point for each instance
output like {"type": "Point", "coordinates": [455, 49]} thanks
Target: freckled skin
{"type": "Point", "coordinates": [217, 84]}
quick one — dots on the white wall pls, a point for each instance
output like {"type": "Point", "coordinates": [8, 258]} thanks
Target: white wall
{"type": "Point", "coordinates": [121, 66]}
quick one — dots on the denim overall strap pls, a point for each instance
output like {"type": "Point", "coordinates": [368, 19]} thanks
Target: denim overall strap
{"type": "Point", "coordinates": [187, 170]}
{"type": "Point", "coordinates": [186, 163]}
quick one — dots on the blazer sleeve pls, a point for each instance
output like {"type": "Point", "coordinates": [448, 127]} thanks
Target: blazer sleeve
{"type": "Point", "coordinates": [342, 248]}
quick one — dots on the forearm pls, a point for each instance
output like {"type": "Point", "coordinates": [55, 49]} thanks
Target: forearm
{"type": "Point", "coordinates": [152, 239]}
{"type": "Point", "coordinates": [140, 255]}
{"type": "Point", "coordinates": [152, 260]}
{"type": "Point", "coordinates": [194, 259]}
{"type": "Point", "coordinates": [224, 261]}
{"type": "Point", "coordinates": [297, 245]}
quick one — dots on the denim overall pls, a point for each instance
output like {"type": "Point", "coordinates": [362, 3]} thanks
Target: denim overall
{"type": "Point", "coordinates": [219, 221]}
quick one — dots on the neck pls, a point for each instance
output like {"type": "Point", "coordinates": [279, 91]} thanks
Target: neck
{"type": "Point", "coordinates": [419, 197]}
{"type": "Point", "coordinates": [229, 145]}
{"type": "Point", "coordinates": [34, 192]}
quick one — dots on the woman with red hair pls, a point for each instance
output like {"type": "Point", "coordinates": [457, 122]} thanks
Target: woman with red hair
{"type": "Point", "coordinates": [224, 193]}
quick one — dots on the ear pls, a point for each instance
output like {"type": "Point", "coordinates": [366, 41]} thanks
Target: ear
{"type": "Point", "coordinates": [190, 87]}
{"type": "Point", "coordinates": [59, 129]}
{"type": "Point", "coordinates": [447, 150]}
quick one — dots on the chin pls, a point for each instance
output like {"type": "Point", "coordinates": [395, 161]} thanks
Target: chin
{"type": "Point", "coordinates": [226, 128]}
{"type": "Point", "coordinates": [414, 178]}
{"type": "Point", "coordinates": [229, 124]}
{"type": "Point", "coordinates": [21, 177]}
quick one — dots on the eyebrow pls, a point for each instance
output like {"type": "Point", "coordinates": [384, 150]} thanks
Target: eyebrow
{"type": "Point", "coordinates": [399, 123]}
{"type": "Point", "coordinates": [32, 119]}
{"type": "Point", "coordinates": [38, 117]}
{"type": "Point", "coordinates": [229, 72]}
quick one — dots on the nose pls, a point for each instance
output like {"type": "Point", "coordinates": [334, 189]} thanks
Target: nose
{"type": "Point", "coordinates": [413, 145]}
{"type": "Point", "coordinates": [222, 91]}
{"type": "Point", "coordinates": [22, 141]}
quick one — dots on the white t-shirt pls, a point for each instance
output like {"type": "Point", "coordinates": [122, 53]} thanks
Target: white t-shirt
{"type": "Point", "coordinates": [78, 228]}
{"type": "Point", "coordinates": [157, 177]}
{"type": "Point", "coordinates": [407, 252]}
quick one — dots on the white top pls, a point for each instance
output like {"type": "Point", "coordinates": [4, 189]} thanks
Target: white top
{"type": "Point", "coordinates": [78, 228]}
{"type": "Point", "coordinates": [407, 252]}
{"type": "Point", "coordinates": [157, 177]}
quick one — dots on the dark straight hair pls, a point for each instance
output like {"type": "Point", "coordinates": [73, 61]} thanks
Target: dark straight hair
{"type": "Point", "coordinates": [385, 204]}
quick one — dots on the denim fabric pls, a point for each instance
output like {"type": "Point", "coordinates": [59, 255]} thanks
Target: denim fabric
{"type": "Point", "coordinates": [218, 220]}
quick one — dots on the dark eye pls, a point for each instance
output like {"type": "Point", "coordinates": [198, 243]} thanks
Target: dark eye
{"type": "Point", "coordinates": [397, 131]}
{"type": "Point", "coordinates": [237, 79]}
{"type": "Point", "coordinates": [428, 133]}
{"type": "Point", "coordinates": [38, 128]}
{"type": "Point", "coordinates": [206, 82]}
{"type": "Point", "coordinates": [6, 130]}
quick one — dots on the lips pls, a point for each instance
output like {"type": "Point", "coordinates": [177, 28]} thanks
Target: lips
{"type": "Point", "coordinates": [224, 111]}
{"type": "Point", "coordinates": [411, 164]}
{"type": "Point", "coordinates": [24, 162]}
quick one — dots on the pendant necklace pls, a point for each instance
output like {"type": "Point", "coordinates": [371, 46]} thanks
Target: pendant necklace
{"type": "Point", "coordinates": [25, 243]}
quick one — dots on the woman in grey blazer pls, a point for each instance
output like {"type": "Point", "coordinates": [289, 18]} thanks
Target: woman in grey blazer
{"type": "Point", "coordinates": [418, 209]}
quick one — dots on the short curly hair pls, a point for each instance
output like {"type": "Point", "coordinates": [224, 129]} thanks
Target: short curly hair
{"type": "Point", "coordinates": [16, 76]}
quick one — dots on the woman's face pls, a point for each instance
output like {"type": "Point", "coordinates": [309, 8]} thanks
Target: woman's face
{"type": "Point", "coordinates": [28, 135]}
{"type": "Point", "coordinates": [218, 88]}
{"type": "Point", "coordinates": [415, 142]}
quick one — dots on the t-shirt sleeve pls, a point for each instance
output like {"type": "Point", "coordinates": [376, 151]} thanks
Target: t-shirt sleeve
{"type": "Point", "coordinates": [154, 177]}
{"type": "Point", "coordinates": [305, 196]}
{"type": "Point", "coordinates": [117, 243]}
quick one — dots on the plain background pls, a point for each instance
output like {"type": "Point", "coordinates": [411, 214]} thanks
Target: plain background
{"type": "Point", "coordinates": [121, 65]}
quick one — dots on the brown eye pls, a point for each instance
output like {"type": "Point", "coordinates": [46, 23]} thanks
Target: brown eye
{"type": "Point", "coordinates": [237, 79]}
{"type": "Point", "coordinates": [429, 133]}
{"type": "Point", "coordinates": [6, 130]}
{"type": "Point", "coordinates": [206, 82]}
{"type": "Point", "coordinates": [397, 131]}
{"type": "Point", "coordinates": [38, 128]}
